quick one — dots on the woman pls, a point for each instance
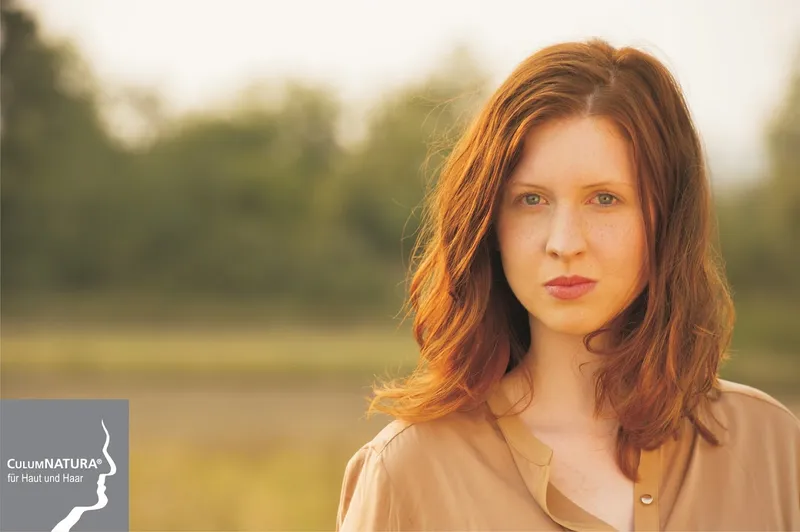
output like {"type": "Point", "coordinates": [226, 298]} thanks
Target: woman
{"type": "Point", "coordinates": [572, 318]}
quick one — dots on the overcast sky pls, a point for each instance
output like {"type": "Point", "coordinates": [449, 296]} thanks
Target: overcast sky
{"type": "Point", "coordinates": [733, 57]}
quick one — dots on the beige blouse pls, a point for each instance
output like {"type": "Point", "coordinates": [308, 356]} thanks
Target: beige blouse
{"type": "Point", "coordinates": [473, 471]}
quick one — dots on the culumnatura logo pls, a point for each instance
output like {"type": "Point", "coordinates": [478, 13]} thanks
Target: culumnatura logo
{"type": "Point", "coordinates": [65, 465]}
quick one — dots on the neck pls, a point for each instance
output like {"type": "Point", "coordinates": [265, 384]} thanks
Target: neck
{"type": "Point", "coordinates": [562, 371]}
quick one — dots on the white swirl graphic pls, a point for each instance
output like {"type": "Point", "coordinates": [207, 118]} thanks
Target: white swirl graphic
{"type": "Point", "coordinates": [66, 524]}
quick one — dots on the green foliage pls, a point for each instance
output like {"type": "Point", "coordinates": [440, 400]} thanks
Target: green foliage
{"type": "Point", "coordinates": [409, 136]}
{"type": "Point", "coordinates": [59, 167]}
{"type": "Point", "coordinates": [258, 200]}
{"type": "Point", "coordinates": [759, 223]}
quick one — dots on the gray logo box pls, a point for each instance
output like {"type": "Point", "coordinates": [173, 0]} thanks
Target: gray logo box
{"type": "Point", "coordinates": [64, 465]}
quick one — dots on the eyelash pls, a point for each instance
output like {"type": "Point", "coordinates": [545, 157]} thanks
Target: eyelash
{"type": "Point", "coordinates": [521, 197]}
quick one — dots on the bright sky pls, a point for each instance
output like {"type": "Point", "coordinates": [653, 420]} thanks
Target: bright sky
{"type": "Point", "coordinates": [732, 57]}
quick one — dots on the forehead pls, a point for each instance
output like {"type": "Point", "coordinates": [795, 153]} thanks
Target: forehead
{"type": "Point", "coordinates": [575, 150]}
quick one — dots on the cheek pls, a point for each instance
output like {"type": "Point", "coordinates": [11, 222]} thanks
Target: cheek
{"type": "Point", "coordinates": [521, 243]}
{"type": "Point", "coordinates": [519, 257]}
{"type": "Point", "coordinates": [620, 243]}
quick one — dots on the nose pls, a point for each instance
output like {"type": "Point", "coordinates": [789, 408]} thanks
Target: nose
{"type": "Point", "coordinates": [565, 238]}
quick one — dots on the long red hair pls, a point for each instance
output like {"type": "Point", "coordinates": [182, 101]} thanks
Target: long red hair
{"type": "Point", "coordinates": [471, 329]}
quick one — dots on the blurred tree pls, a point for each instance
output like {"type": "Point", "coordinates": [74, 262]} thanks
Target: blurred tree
{"type": "Point", "coordinates": [783, 216]}
{"type": "Point", "coordinates": [760, 223]}
{"type": "Point", "coordinates": [57, 162]}
{"type": "Point", "coordinates": [760, 230]}
{"type": "Point", "coordinates": [227, 197]}
{"type": "Point", "coordinates": [408, 136]}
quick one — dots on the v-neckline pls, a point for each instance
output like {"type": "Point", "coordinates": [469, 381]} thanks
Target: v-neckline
{"type": "Point", "coordinates": [533, 459]}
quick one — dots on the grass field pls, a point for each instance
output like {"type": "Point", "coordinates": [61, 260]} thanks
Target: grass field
{"type": "Point", "coordinates": [242, 428]}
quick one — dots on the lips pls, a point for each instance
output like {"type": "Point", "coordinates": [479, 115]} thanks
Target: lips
{"type": "Point", "coordinates": [569, 280]}
{"type": "Point", "coordinates": [572, 287]}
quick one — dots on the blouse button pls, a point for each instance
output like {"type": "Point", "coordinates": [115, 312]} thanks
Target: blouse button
{"type": "Point", "coordinates": [646, 499]}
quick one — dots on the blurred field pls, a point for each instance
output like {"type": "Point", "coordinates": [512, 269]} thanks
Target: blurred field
{"type": "Point", "coordinates": [275, 413]}
{"type": "Point", "coordinates": [283, 351]}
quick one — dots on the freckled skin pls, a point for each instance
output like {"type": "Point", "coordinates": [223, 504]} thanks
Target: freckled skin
{"type": "Point", "coordinates": [552, 221]}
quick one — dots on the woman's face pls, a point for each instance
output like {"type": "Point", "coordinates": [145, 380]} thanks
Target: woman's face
{"type": "Point", "coordinates": [571, 208]}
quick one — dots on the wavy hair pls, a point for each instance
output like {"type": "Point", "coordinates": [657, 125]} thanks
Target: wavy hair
{"type": "Point", "coordinates": [668, 344]}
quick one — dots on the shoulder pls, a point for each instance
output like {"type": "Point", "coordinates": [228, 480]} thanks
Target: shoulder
{"type": "Point", "coordinates": [380, 477]}
{"type": "Point", "coordinates": [745, 400]}
{"type": "Point", "coordinates": [750, 416]}
{"type": "Point", "coordinates": [402, 448]}
{"type": "Point", "coordinates": [368, 498]}
{"type": "Point", "coordinates": [402, 443]}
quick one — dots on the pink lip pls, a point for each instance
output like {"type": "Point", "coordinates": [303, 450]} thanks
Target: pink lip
{"type": "Point", "coordinates": [570, 287]}
{"type": "Point", "coordinates": [570, 292]}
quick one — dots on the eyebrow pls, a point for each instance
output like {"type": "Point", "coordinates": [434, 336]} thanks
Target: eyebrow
{"type": "Point", "coordinates": [591, 185]}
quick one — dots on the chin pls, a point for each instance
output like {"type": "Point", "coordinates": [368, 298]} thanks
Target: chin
{"type": "Point", "coordinates": [572, 322]}
{"type": "Point", "coordinates": [574, 329]}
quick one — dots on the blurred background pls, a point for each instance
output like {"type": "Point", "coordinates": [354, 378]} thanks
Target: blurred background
{"type": "Point", "coordinates": [208, 209]}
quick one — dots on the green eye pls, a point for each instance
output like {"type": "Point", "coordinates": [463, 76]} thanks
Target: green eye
{"type": "Point", "coordinates": [531, 199]}
{"type": "Point", "coordinates": [606, 199]}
